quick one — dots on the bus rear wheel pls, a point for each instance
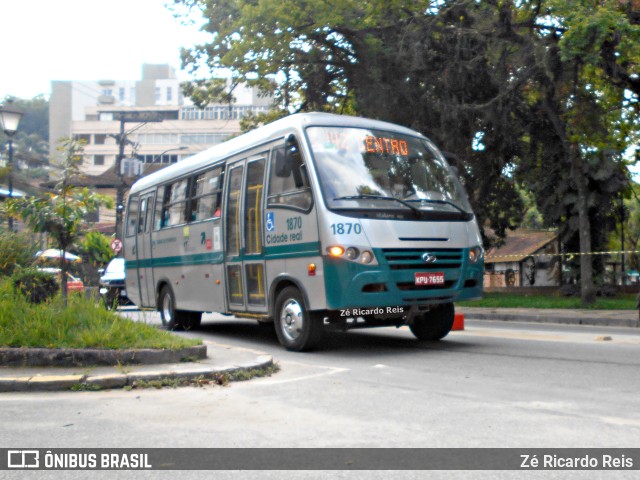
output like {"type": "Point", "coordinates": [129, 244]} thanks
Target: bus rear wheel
{"type": "Point", "coordinates": [174, 319]}
{"type": "Point", "coordinates": [435, 324]}
{"type": "Point", "coordinates": [297, 328]}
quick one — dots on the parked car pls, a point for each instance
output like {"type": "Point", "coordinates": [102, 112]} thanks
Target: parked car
{"type": "Point", "coordinates": [74, 284]}
{"type": "Point", "coordinates": [112, 284]}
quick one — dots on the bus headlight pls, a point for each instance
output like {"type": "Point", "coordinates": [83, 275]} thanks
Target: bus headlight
{"type": "Point", "coordinates": [352, 253]}
{"type": "Point", "coordinates": [475, 254]}
{"type": "Point", "coordinates": [366, 257]}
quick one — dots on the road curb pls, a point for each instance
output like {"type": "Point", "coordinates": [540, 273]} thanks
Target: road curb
{"type": "Point", "coordinates": [122, 380]}
{"type": "Point", "coordinates": [551, 319]}
{"type": "Point", "coordinates": [89, 357]}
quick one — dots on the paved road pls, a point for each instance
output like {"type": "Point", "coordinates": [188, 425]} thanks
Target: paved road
{"type": "Point", "coordinates": [493, 385]}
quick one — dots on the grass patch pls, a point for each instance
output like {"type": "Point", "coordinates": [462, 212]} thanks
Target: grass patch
{"type": "Point", "coordinates": [217, 379]}
{"type": "Point", "coordinates": [513, 300]}
{"type": "Point", "coordinates": [244, 375]}
{"type": "Point", "coordinates": [83, 324]}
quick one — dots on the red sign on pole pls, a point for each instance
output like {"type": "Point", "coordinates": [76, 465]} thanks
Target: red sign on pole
{"type": "Point", "coordinates": [116, 245]}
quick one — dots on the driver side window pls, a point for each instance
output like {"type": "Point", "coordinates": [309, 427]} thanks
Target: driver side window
{"type": "Point", "coordinates": [288, 181]}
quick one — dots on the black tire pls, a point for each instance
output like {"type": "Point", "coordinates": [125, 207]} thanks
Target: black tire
{"type": "Point", "coordinates": [193, 322]}
{"type": "Point", "coordinates": [435, 324]}
{"type": "Point", "coordinates": [171, 318]}
{"type": "Point", "coordinates": [297, 329]}
{"type": "Point", "coordinates": [110, 303]}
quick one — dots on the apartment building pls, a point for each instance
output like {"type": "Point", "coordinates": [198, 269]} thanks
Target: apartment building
{"type": "Point", "coordinates": [91, 111]}
{"type": "Point", "coordinates": [161, 125]}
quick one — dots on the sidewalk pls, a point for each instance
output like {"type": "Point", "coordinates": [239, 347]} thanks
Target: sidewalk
{"type": "Point", "coordinates": [220, 359]}
{"type": "Point", "coordinates": [610, 318]}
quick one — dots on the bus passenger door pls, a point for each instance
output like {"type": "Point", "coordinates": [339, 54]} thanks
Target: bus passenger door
{"type": "Point", "coordinates": [253, 258]}
{"type": "Point", "coordinates": [232, 237]}
{"type": "Point", "coordinates": [244, 257]}
{"type": "Point", "coordinates": [145, 256]}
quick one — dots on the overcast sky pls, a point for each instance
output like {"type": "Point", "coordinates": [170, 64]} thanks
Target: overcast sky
{"type": "Point", "coordinates": [44, 40]}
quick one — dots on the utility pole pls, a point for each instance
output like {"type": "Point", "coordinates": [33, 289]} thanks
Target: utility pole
{"type": "Point", "coordinates": [120, 187]}
{"type": "Point", "coordinates": [126, 116]}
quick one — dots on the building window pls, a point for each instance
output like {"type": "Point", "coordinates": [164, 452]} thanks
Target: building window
{"type": "Point", "coordinates": [220, 112]}
{"type": "Point", "coordinates": [121, 94]}
{"type": "Point", "coordinates": [158, 93]}
{"type": "Point", "coordinates": [169, 94]}
{"type": "Point", "coordinates": [98, 159]}
{"type": "Point", "coordinates": [107, 92]}
{"type": "Point", "coordinates": [82, 137]}
{"type": "Point", "coordinates": [158, 158]}
{"type": "Point", "coordinates": [157, 138]}
{"type": "Point", "coordinates": [99, 138]}
{"type": "Point", "coordinates": [207, 138]}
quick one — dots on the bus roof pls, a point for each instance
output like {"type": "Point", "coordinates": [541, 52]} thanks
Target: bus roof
{"type": "Point", "coordinates": [261, 135]}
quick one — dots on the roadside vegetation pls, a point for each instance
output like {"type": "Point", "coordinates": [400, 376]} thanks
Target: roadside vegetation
{"type": "Point", "coordinates": [509, 300]}
{"type": "Point", "coordinates": [83, 323]}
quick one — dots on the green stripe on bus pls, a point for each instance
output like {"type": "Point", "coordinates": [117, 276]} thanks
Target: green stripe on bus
{"type": "Point", "coordinates": [270, 253]}
{"type": "Point", "coordinates": [293, 250]}
{"type": "Point", "coordinates": [177, 260]}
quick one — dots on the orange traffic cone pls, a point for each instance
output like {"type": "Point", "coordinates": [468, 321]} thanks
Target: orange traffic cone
{"type": "Point", "coordinates": [458, 322]}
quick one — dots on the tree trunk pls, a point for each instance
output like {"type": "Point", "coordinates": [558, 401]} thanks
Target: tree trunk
{"type": "Point", "coordinates": [587, 287]}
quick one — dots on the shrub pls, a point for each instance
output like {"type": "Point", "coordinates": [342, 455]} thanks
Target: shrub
{"type": "Point", "coordinates": [15, 250]}
{"type": "Point", "coordinates": [35, 285]}
{"type": "Point", "coordinates": [607, 291]}
{"type": "Point", "coordinates": [570, 290]}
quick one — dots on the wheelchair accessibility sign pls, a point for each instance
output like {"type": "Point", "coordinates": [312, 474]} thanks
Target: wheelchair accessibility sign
{"type": "Point", "coordinates": [271, 224]}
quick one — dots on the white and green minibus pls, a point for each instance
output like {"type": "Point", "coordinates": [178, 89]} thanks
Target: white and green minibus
{"type": "Point", "coordinates": [315, 221]}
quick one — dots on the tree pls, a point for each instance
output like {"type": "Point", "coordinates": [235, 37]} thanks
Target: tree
{"type": "Point", "coordinates": [578, 117]}
{"type": "Point", "coordinates": [31, 143]}
{"type": "Point", "coordinates": [529, 92]}
{"type": "Point", "coordinates": [61, 214]}
{"type": "Point", "coordinates": [96, 252]}
{"type": "Point", "coordinates": [380, 59]}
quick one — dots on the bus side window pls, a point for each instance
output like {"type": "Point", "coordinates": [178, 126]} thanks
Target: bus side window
{"type": "Point", "coordinates": [206, 193]}
{"type": "Point", "coordinates": [132, 216]}
{"type": "Point", "coordinates": [157, 215]}
{"type": "Point", "coordinates": [142, 215]}
{"type": "Point", "coordinates": [174, 203]}
{"type": "Point", "coordinates": [288, 180]}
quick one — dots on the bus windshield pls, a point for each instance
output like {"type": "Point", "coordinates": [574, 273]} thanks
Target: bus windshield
{"type": "Point", "coordinates": [365, 169]}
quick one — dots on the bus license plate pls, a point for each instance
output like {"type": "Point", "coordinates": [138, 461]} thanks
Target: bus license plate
{"type": "Point", "coordinates": [429, 278]}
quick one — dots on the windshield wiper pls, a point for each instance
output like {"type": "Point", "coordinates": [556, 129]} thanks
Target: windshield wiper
{"type": "Point", "coordinates": [380, 197]}
{"type": "Point", "coordinates": [441, 202]}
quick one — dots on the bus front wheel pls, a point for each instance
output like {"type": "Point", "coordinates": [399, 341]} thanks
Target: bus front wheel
{"type": "Point", "coordinates": [297, 329]}
{"type": "Point", "coordinates": [435, 324]}
{"type": "Point", "coordinates": [176, 319]}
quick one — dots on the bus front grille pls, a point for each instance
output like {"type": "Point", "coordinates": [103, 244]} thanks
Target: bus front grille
{"type": "Point", "coordinates": [404, 263]}
{"type": "Point", "coordinates": [412, 259]}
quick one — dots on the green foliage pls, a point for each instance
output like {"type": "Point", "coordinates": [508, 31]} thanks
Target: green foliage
{"type": "Point", "coordinates": [550, 87]}
{"type": "Point", "coordinates": [81, 324]}
{"type": "Point", "coordinates": [31, 142]}
{"type": "Point", "coordinates": [36, 286]}
{"type": "Point", "coordinates": [95, 249]}
{"type": "Point", "coordinates": [516, 300]}
{"type": "Point", "coordinates": [252, 121]}
{"type": "Point", "coordinates": [62, 214]}
{"type": "Point", "coordinates": [16, 250]}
